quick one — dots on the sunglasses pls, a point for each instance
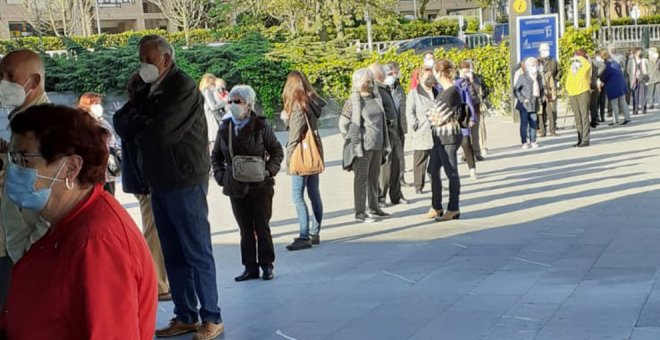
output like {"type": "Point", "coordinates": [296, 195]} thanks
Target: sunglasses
{"type": "Point", "coordinates": [235, 102]}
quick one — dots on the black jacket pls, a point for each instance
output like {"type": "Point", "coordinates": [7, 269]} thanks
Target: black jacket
{"type": "Point", "coordinates": [166, 132]}
{"type": "Point", "coordinates": [255, 139]}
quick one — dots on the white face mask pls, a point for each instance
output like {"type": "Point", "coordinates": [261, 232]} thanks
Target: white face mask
{"type": "Point", "coordinates": [545, 53]}
{"type": "Point", "coordinates": [97, 111]}
{"type": "Point", "coordinates": [429, 62]}
{"type": "Point", "coordinates": [653, 56]}
{"type": "Point", "coordinates": [149, 72]}
{"type": "Point", "coordinates": [390, 80]}
{"type": "Point", "coordinates": [237, 112]}
{"type": "Point", "coordinates": [532, 69]}
{"type": "Point", "coordinates": [12, 94]}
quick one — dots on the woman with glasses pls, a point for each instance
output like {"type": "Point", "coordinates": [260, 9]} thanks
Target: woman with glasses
{"type": "Point", "coordinates": [92, 268]}
{"type": "Point", "coordinates": [244, 133]}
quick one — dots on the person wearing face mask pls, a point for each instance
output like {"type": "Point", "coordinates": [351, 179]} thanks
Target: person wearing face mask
{"type": "Point", "coordinates": [654, 79]}
{"type": "Point", "coordinates": [214, 109]}
{"type": "Point", "coordinates": [399, 96]}
{"type": "Point", "coordinates": [244, 133]}
{"type": "Point", "coordinates": [419, 101]}
{"type": "Point", "coordinates": [551, 72]}
{"type": "Point", "coordinates": [165, 128]}
{"type": "Point", "coordinates": [22, 85]}
{"type": "Point", "coordinates": [366, 144]}
{"type": "Point", "coordinates": [615, 88]}
{"type": "Point", "coordinates": [91, 102]}
{"type": "Point", "coordinates": [92, 268]}
{"type": "Point", "coordinates": [578, 85]}
{"type": "Point", "coordinates": [390, 171]}
{"type": "Point", "coordinates": [597, 67]}
{"type": "Point", "coordinates": [446, 119]}
{"type": "Point", "coordinates": [638, 71]}
{"type": "Point", "coordinates": [470, 98]}
{"type": "Point", "coordinates": [528, 91]}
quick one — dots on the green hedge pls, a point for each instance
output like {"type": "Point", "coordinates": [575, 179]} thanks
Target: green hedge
{"type": "Point", "coordinates": [263, 65]}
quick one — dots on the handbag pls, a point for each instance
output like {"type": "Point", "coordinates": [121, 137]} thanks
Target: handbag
{"type": "Point", "coordinates": [247, 169]}
{"type": "Point", "coordinates": [306, 159]}
{"type": "Point", "coordinates": [114, 163]}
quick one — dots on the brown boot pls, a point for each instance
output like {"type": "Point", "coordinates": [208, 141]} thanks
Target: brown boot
{"type": "Point", "coordinates": [448, 216]}
{"type": "Point", "coordinates": [433, 214]}
{"type": "Point", "coordinates": [209, 330]}
{"type": "Point", "coordinates": [175, 328]}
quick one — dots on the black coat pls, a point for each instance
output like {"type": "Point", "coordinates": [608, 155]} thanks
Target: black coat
{"type": "Point", "coordinates": [166, 132]}
{"type": "Point", "coordinates": [255, 139]}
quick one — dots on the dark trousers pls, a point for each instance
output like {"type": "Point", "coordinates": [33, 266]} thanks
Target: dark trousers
{"type": "Point", "coordinates": [253, 213]}
{"type": "Point", "coordinates": [365, 182]}
{"type": "Point", "coordinates": [639, 98]}
{"type": "Point", "coordinates": [185, 236]}
{"type": "Point", "coordinates": [421, 160]}
{"type": "Point", "coordinates": [580, 107]}
{"type": "Point", "coordinates": [444, 156]}
{"type": "Point", "coordinates": [549, 119]}
{"type": "Point", "coordinates": [6, 265]}
{"type": "Point", "coordinates": [594, 102]}
{"type": "Point", "coordinates": [390, 175]}
{"type": "Point", "coordinates": [402, 160]}
{"type": "Point", "coordinates": [468, 152]}
{"type": "Point", "coordinates": [602, 104]}
{"type": "Point", "coordinates": [529, 123]}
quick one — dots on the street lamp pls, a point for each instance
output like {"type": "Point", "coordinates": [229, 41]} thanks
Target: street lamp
{"type": "Point", "coordinates": [98, 19]}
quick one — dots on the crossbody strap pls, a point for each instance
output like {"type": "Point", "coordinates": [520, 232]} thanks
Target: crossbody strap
{"type": "Point", "coordinates": [230, 132]}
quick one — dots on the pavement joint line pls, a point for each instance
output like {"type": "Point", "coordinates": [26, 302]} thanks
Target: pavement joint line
{"type": "Point", "coordinates": [559, 235]}
{"type": "Point", "coordinates": [399, 277]}
{"type": "Point", "coordinates": [532, 262]}
{"type": "Point", "coordinates": [459, 245]}
{"type": "Point", "coordinates": [280, 333]}
{"type": "Point", "coordinates": [520, 318]}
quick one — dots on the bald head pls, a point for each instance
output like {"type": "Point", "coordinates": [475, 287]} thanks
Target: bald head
{"type": "Point", "coordinates": [25, 68]}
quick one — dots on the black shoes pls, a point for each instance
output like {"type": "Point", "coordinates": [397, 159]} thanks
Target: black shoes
{"type": "Point", "coordinates": [268, 274]}
{"type": "Point", "coordinates": [364, 218]}
{"type": "Point", "coordinates": [480, 158]}
{"type": "Point", "coordinates": [401, 201]}
{"type": "Point", "coordinates": [625, 122]}
{"type": "Point", "coordinates": [300, 244]}
{"type": "Point", "coordinates": [316, 239]}
{"type": "Point", "coordinates": [583, 145]}
{"type": "Point", "coordinates": [247, 275]}
{"type": "Point", "coordinates": [378, 213]}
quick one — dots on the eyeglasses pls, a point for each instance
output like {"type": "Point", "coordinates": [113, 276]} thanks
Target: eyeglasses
{"type": "Point", "coordinates": [235, 102]}
{"type": "Point", "coordinates": [21, 158]}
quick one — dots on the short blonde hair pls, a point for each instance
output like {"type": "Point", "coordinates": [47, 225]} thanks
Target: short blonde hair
{"type": "Point", "coordinates": [361, 77]}
{"type": "Point", "coordinates": [207, 79]}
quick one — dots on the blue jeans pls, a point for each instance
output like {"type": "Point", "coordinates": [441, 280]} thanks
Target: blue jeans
{"type": "Point", "coordinates": [298, 185]}
{"type": "Point", "coordinates": [185, 236]}
{"type": "Point", "coordinates": [528, 125]}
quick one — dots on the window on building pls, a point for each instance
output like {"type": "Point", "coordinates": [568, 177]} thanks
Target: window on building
{"type": "Point", "coordinates": [19, 29]}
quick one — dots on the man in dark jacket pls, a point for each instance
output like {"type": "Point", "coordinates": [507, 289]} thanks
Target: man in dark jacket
{"type": "Point", "coordinates": [164, 125]}
{"type": "Point", "coordinates": [393, 72]}
{"type": "Point", "coordinates": [390, 171]}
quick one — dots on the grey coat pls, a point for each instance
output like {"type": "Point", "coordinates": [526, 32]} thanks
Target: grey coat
{"type": "Point", "coordinates": [654, 72]}
{"type": "Point", "coordinates": [524, 92]}
{"type": "Point", "coordinates": [417, 104]}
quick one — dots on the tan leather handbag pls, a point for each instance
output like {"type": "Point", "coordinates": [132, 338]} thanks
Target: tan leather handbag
{"type": "Point", "coordinates": [306, 159]}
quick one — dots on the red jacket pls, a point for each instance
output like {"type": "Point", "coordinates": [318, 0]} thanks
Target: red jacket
{"type": "Point", "coordinates": [90, 277]}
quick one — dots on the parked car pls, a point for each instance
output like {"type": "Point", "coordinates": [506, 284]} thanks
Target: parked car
{"type": "Point", "coordinates": [430, 44]}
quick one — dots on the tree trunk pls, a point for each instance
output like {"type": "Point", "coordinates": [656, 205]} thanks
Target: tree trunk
{"type": "Point", "coordinates": [337, 18]}
{"type": "Point", "coordinates": [422, 10]}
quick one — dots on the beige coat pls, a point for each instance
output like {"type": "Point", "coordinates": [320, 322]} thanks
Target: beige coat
{"type": "Point", "coordinates": [19, 229]}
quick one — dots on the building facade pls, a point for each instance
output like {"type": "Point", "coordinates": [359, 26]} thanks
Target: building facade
{"type": "Point", "coordinates": [116, 16]}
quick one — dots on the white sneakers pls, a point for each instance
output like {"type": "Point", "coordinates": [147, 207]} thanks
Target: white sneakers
{"type": "Point", "coordinates": [473, 173]}
{"type": "Point", "coordinates": [525, 146]}
{"type": "Point", "coordinates": [534, 145]}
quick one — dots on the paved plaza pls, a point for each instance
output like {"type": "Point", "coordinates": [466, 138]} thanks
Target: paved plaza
{"type": "Point", "coordinates": [554, 243]}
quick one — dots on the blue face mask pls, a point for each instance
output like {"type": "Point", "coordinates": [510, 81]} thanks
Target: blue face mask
{"type": "Point", "coordinates": [19, 185]}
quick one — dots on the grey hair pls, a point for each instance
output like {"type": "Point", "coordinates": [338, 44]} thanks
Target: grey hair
{"type": "Point", "coordinates": [531, 60]}
{"type": "Point", "coordinates": [163, 45]}
{"type": "Point", "coordinates": [387, 68]}
{"type": "Point", "coordinates": [360, 77]}
{"type": "Point", "coordinates": [246, 93]}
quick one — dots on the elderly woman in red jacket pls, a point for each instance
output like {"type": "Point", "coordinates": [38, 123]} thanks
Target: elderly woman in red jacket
{"type": "Point", "coordinates": [91, 275]}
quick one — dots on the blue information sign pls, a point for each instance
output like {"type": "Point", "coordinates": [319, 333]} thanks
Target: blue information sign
{"type": "Point", "coordinates": [534, 30]}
